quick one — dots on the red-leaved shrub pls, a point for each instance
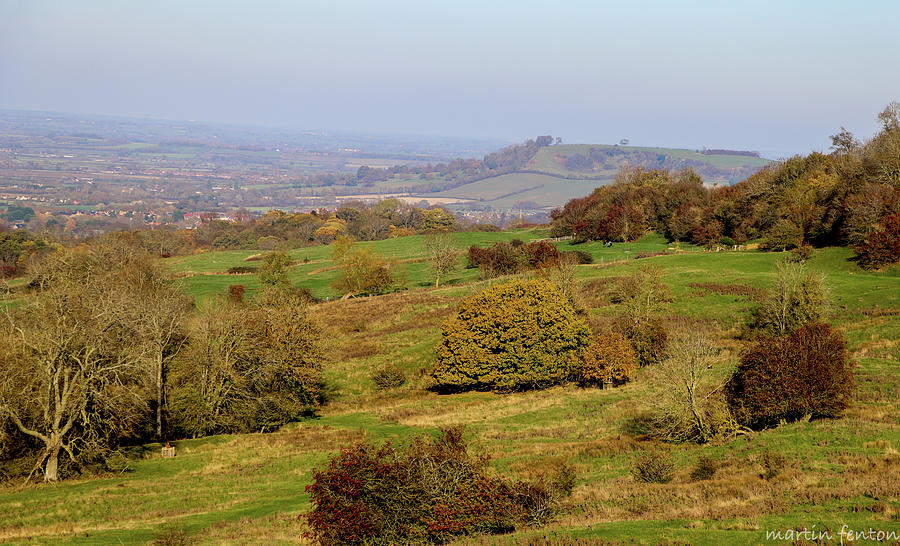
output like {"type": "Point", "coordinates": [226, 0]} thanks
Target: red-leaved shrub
{"type": "Point", "coordinates": [881, 247]}
{"type": "Point", "coordinates": [792, 376]}
{"type": "Point", "coordinates": [431, 491]}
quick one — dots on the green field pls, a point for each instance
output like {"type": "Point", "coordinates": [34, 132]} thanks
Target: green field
{"type": "Point", "coordinates": [504, 191]}
{"type": "Point", "coordinates": [250, 488]}
{"type": "Point", "coordinates": [545, 159]}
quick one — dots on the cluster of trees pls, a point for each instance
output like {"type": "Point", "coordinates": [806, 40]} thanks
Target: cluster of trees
{"type": "Point", "coordinates": [847, 197]}
{"type": "Point", "coordinates": [109, 352]}
{"type": "Point", "coordinates": [526, 334]}
{"type": "Point", "coordinates": [19, 247]}
{"type": "Point", "coordinates": [506, 258]}
{"type": "Point", "coordinates": [610, 158]}
{"type": "Point", "coordinates": [431, 491]}
{"type": "Point", "coordinates": [363, 222]}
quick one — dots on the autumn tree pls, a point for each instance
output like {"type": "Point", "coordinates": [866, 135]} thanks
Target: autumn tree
{"type": "Point", "coordinates": [443, 255]}
{"type": "Point", "coordinates": [155, 310]}
{"type": "Point", "coordinates": [685, 389]}
{"type": "Point", "coordinates": [798, 297]}
{"type": "Point", "coordinates": [273, 271]}
{"type": "Point", "coordinates": [361, 270]}
{"type": "Point", "coordinates": [248, 367]}
{"type": "Point", "coordinates": [72, 379]}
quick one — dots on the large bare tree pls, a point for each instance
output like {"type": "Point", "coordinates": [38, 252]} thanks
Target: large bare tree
{"type": "Point", "coordinates": [70, 376]}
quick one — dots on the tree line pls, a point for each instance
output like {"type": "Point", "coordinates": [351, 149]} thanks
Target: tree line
{"type": "Point", "coordinates": [849, 197]}
{"type": "Point", "coordinates": [109, 352]}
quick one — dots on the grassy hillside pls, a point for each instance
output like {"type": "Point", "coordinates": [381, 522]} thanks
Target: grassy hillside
{"type": "Point", "coordinates": [712, 168]}
{"type": "Point", "coordinates": [250, 488]}
{"type": "Point", "coordinates": [504, 192]}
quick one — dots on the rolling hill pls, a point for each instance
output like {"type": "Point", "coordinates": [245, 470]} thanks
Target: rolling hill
{"type": "Point", "coordinates": [558, 173]}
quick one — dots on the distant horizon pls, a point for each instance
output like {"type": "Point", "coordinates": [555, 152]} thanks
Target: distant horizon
{"type": "Point", "coordinates": [356, 132]}
{"type": "Point", "coordinates": [769, 76]}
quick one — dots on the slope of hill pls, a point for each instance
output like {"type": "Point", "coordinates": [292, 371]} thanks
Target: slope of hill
{"type": "Point", "coordinates": [250, 488]}
{"type": "Point", "coordinates": [603, 161]}
{"type": "Point", "coordinates": [561, 172]}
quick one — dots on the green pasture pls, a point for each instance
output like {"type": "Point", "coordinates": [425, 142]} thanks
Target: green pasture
{"type": "Point", "coordinates": [250, 488]}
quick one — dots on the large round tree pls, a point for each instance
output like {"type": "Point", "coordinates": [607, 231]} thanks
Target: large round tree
{"type": "Point", "coordinates": [515, 336]}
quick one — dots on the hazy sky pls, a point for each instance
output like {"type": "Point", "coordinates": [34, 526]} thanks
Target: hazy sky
{"type": "Point", "coordinates": [777, 76]}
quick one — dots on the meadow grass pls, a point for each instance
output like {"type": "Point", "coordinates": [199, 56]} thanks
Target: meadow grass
{"type": "Point", "coordinates": [250, 488]}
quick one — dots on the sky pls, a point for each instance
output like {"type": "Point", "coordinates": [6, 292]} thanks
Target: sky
{"type": "Point", "coordinates": [774, 76]}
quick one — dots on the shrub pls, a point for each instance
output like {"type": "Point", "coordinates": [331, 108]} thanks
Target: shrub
{"type": "Point", "coordinates": [362, 272]}
{"type": "Point", "coordinates": [881, 247]}
{"type": "Point", "coordinates": [507, 258]}
{"type": "Point", "coordinates": [241, 269]}
{"type": "Point", "coordinates": [541, 255]}
{"type": "Point", "coordinates": [799, 297]}
{"type": "Point", "coordinates": [609, 359]}
{"type": "Point", "coordinates": [518, 335]}
{"type": "Point", "coordinates": [389, 376]}
{"type": "Point", "coordinates": [773, 463]}
{"type": "Point", "coordinates": [792, 376]}
{"type": "Point", "coordinates": [653, 467]}
{"type": "Point", "coordinates": [648, 339]}
{"type": "Point", "coordinates": [705, 468]}
{"type": "Point", "coordinates": [801, 253]}
{"type": "Point", "coordinates": [236, 293]}
{"type": "Point", "coordinates": [580, 256]}
{"type": "Point", "coordinates": [431, 491]}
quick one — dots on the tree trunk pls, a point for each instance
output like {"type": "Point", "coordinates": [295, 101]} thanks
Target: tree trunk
{"type": "Point", "coordinates": [51, 473]}
{"type": "Point", "coordinates": [437, 281]}
{"type": "Point", "coordinates": [159, 395]}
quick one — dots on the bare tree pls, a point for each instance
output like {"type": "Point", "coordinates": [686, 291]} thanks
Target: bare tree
{"type": "Point", "coordinates": [685, 391]}
{"type": "Point", "coordinates": [71, 376]}
{"type": "Point", "coordinates": [442, 255]}
{"type": "Point", "coordinates": [798, 297]}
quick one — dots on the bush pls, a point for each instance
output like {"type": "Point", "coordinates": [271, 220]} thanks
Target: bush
{"type": "Point", "coordinates": [431, 491]}
{"type": "Point", "coordinates": [881, 247]}
{"type": "Point", "coordinates": [389, 376]}
{"type": "Point", "coordinates": [580, 257]}
{"type": "Point", "coordinates": [241, 269]}
{"type": "Point", "coordinates": [648, 339]}
{"type": "Point", "coordinates": [773, 463]}
{"type": "Point", "coordinates": [507, 258]}
{"type": "Point", "coordinates": [609, 359]}
{"type": "Point", "coordinates": [513, 336]}
{"type": "Point", "coordinates": [541, 255]}
{"type": "Point", "coordinates": [792, 376]}
{"type": "Point", "coordinates": [799, 298]}
{"type": "Point", "coordinates": [705, 469]}
{"type": "Point", "coordinates": [654, 467]}
{"type": "Point", "coordinates": [801, 253]}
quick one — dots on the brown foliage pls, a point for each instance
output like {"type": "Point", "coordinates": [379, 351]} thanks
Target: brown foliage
{"type": "Point", "coordinates": [789, 377]}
